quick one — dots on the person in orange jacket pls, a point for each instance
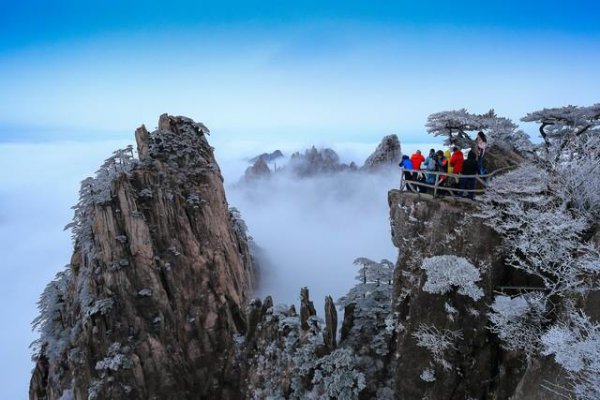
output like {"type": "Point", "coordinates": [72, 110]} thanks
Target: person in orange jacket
{"type": "Point", "coordinates": [456, 160]}
{"type": "Point", "coordinates": [416, 159]}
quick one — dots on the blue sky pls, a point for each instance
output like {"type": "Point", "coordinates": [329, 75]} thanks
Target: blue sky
{"type": "Point", "coordinates": [77, 77]}
{"type": "Point", "coordinates": [341, 69]}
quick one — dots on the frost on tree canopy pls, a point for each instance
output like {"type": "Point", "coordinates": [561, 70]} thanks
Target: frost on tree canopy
{"type": "Point", "coordinates": [444, 272]}
{"type": "Point", "coordinates": [456, 124]}
{"type": "Point", "coordinates": [575, 345]}
{"type": "Point", "coordinates": [518, 320]}
{"type": "Point", "coordinates": [564, 128]}
{"type": "Point", "coordinates": [439, 343]}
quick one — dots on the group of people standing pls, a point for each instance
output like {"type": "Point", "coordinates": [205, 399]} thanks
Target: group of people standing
{"type": "Point", "coordinates": [453, 163]}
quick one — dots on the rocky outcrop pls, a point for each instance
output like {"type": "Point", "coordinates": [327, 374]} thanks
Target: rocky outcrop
{"type": "Point", "coordinates": [386, 155]}
{"type": "Point", "coordinates": [258, 170]}
{"type": "Point", "coordinates": [155, 292]}
{"type": "Point", "coordinates": [423, 228]}
{"type": "Point", "coordinates": [291, 355]}
{"type": "Point", "coordinates": [313, 162]}
{"type": "Point", "coordinates": [501, 157]}
{"type": "Point", "coordinates": [445, 349]}
{"type": "Point", "coordinates": [330, 332]}
{"type": "Point", "coordinates": [267, 157]}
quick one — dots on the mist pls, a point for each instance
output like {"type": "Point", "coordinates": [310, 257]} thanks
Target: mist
{"type": "Point", "coordinates": [38, 185]}
{"type": "Point", "coordinates": [311, 229]}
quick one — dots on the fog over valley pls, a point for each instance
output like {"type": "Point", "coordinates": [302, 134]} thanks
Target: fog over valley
{"type": "Point", "coordinates": [313, 228]}
{"type": "Point", "coordinates": [310, 229]}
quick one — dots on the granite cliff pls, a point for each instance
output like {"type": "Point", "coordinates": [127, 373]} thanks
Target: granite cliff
{"type": "Point", "coordinates": [445, 349]}
{"type": "Point", "coordinates": [155, 291]}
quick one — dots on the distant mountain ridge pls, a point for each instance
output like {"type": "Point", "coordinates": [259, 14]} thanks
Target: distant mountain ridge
{"type": "Point", "coordinates": [314, 161]}
{"type": "Point", "coordinates": [267, 157]}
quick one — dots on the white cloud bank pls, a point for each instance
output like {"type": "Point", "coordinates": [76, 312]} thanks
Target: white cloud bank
{"type": "Point", "coordinates": [312, 229]}
{"type": "Point", "coordinates": [38, 185]}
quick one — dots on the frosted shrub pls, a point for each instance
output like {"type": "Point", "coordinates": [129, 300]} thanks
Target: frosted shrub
{"type": "Point", "coordinates": [575, 345]}
{"type": "Point", "coordinates": [428, 375]}
{"type": "Point", "coordinates": [374, 322]}
{"type": "Point", "coordinates": [115, 359]}
{"type": "Point", "coordinates": [100, 306]}
{"type": "Point", "coordinates": [438, 342]}
{"type": "Point", "coordinates": [337, 376]}
{"type": "Point", "coordinates": [445, 272]}
{"type": "Point", "coordinates": [580, 179]}
{"type": "Point", "coordinates": [518, 321]}
{"type": "Point", "coordinates": [542, 237]}
{"type": "Point", "coordinates": [98, 191]}
{"type": "Point", "coordinates": [51, 322]}
{"type": "Point", "coordinates": [238, 222]}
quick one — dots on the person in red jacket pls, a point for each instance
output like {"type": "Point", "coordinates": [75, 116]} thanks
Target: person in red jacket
{"type": "Point", "coordinates": [456, 161]}
{"type": "Point", "coordinates": [416, 159]}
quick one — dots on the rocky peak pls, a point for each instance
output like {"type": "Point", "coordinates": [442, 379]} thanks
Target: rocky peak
{"type": "Point", "coordinates": [160, 274]}
{"type": "Point", "coordinates": [387, 154]}
{"type": "Point", "coordinates": [268, 157]}
{"type": "Point", "coordinates": [259, 169]}
{"type": "Point", "coordinates": [316, 161]}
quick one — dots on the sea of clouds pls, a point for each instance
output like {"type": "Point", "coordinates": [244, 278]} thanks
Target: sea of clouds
{"type": "Point", "coordinates": [310, 229]}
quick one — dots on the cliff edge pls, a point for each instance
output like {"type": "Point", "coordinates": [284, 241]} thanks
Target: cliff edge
{"type": "Point", "coordinates": [451, 265]}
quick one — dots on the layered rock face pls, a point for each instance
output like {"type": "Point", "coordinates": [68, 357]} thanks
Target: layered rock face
{"type": "Point", "coordinates": [155, 291]}
{"type": "Point", "coordinates": [423, 228]}
{"type": "Point", "coordinates": [444, 348]}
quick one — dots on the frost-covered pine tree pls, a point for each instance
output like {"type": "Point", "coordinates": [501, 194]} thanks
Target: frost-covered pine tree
{"type": "Point", "coordinates": [455, 125]}
{"type": "Point", "coordinates": [373, 324]}
{"type": "Point", "coordinates": [564, 129]}
{"type": "Point", "coordinates": [547, 213]}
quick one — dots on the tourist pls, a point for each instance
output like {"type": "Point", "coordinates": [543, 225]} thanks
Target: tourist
{"type": "Point", "coordinates": [469, 167]}
{"type": "Point", "coordinates": [430, 165]}
{"type": "Point", "coordinates": [441, 164]}
{"type": "Point", "coordinates": [481, 146]}
{"type": "Point", "coordinates": [407, 165]}
{"type": "Point", "coordinates": [447, 154]}
{"type": "Point", "coordinates": [417, 159]}
{"type": "Point", "coordinates": [456, 162]}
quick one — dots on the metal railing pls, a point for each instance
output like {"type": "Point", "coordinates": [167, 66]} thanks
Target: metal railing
{"type": "Point", "coordinates": [443, 181]}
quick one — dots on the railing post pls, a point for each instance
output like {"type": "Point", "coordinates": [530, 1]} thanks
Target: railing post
{"type": "Point", "coordinates": [435, 185]}
{"type": "Point", "coordinates": [401, 178]}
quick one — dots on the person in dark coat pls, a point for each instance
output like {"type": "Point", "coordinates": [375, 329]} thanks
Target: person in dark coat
{"type": "Point", "coordinates": [481, 141]}
{"type": "Point", "coordinates": [469, 167]}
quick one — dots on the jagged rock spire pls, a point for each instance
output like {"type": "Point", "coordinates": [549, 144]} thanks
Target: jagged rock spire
{"type": "Point", "coordinates": [329, 334]}
{"type": "Point", "coordinates": [387, 154]}
{"type": "Point", "coordinates": [160, 274]}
